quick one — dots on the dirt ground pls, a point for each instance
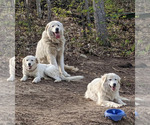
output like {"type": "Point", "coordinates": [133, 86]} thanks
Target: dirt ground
{"type": "Point", "coordinates": [49, 103]}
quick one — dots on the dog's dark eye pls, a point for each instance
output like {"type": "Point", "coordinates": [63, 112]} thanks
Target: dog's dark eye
{"type": "Point", "coordinates": [27, 60]}
{"type": "Point", "coordinates": [58, 25]}
{"type": "Point", "coordinates": [31, 60]}
{"type": "Point", "coordinates": [109, 79]}
{"type": "Point", "coordinates": [53, 26]}
{"type": "Point", "coordinates": [115, 79]}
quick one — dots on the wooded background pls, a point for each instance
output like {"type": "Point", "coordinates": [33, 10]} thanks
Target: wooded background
{"type": "Point", "coordinates": [97, 27]}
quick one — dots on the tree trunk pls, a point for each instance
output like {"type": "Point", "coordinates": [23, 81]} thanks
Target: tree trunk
{"type": "Point", "coordinates": [39, 11]}
{"type": "Point", "coordinates": [49, 10]}
{"type": "Point", "coordinates": [83, 19]}
{"type": "Point", "coordinates": [100, 21]}
{"type": "Point", "coordinates": [87, 15]}
{"type": "Point", "coordinates": [28, 14]}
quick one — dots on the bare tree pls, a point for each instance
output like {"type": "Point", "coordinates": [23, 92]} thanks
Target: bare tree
{"type": "Point", "coordinates": [87, 14]}
{"type": "Point", "coordinates": [100, 21]}
{"type": "Point", "coordinates": [49, 10]}
{"type": "Point", "coordinates": [83, 19]}
{"type": "Point", "coordinates": [28, 14]}
{"type": "Point", "coordinates": [38, 5]}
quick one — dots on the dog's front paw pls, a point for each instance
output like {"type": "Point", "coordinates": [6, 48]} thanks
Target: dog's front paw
{"type": "Point", "coordinates": [124, 103]}
{"type": "Point", "coordinates": [23, 79]}
{"type": "Point", "coordinates": [10, 79]}
{"type": "Point", "coordinates": [66, 74]}
{"type": "Point", "coordinates": [117, 105]}
{"type": "Point", "coordinates": [125, 99]}
{"type": "Point", "coordinates": [121, 102]}
{"type": "Point", "coordinates": [36, 80]}
{"type": "Point", "coordinates": [57, 80]}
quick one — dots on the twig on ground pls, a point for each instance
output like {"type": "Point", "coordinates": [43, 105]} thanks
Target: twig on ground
{"type": "Point", "coordinates": [119, 70]}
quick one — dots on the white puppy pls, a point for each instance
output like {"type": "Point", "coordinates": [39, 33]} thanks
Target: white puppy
{"type": "Point", "coordinates": [11, 69]}
{"type": "Point", "coordinates": [105, 91]}
{"type": "Point", "coordinates": [50, 49]}
{"type": "Point", "coordinates": [31, 67]}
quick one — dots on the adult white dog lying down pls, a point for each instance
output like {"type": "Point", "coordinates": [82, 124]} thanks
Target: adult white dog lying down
{"type": "Point", "coordinates": [11, 69]}
{"type": "Point", "coordinates": [50, 49]}
{"type": "Point", "coordinates": [31, 67]}
{"type": "Point", "coordinates": [105, 90]}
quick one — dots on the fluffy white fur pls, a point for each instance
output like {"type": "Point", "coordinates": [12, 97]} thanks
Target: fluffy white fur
{"type": "Point", "coordinates": [105, 91]}
{"type": "Point", "coordinates": [31, 67]}
{"type": "Point", "coordinates": [50, 49]}
{"type": "Point", "coordinates": [11, 69]}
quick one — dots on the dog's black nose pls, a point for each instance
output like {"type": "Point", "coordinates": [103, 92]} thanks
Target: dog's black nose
{"type": "Point", "coordinates": [114, 84]}
{"type": "Point", "coordinates": [29, 64]}
{"type": "Point", "coordinates": [57, 30]}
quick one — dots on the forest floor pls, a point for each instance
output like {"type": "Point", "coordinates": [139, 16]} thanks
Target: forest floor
{"type": "Point", "coordinates": [63, 103]}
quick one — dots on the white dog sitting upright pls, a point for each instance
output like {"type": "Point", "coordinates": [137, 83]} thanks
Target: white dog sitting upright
{"type": "Point", "coordinates": [105, 91]}
{"type": "Point", "coordinates": [31, 67]}
{"type": "Point", "coordinates": [50, 49]}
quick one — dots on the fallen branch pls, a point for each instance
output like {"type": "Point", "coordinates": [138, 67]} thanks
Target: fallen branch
{"type": "Point", "coordinates": [119, 70]}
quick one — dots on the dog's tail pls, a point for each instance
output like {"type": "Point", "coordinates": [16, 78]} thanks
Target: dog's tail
{"type": "Point", "coordinates": [71, 68]}
{"type": "Point", "coordinates": [123, 98]}
{"type": "Point", "coordinates": [72, 78]}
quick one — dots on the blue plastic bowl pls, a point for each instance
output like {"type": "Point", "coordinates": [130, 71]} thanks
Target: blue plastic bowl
{"type": "Point", "coordinates": [136, 114]}
{"type": "Point", "coordinates": [115, 114]}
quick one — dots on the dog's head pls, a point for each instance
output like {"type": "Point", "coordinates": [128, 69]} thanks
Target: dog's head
{"type": "Point", "coordinates": [111, 81]}
{"type": "Point", "coordinates": [30, 62]}
{"type": "Point", "coordinates": [54, 29]}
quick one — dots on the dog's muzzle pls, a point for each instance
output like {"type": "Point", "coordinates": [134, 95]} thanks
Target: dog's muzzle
{"type": "Point", "coordinates": [29, 65]}
{"type": "Point", "coordinates": [57, 33]}
{"type": "Point", "coordinates": [57, 30]}
{"type": "Point", "coordinates": [113, 88]}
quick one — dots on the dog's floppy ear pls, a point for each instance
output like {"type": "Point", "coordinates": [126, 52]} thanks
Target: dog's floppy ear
{"type": "Point", "coordinates": [62, 26]}
{"type": "Point", "coordinates": [103, 79]}
{"type": "Point", "coordinates": [23, 61]}
{"type": "Point", "coordinates": [46, 27]}
{"type": "Point", "coordinates": [36, 60]}
{"type": "Point", "coordinates": [119, 79]}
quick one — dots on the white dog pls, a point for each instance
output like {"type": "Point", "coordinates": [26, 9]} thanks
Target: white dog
{"type": "Point", "coordinates": [105, 90]}
{"type": "Point", "coordinates": [11, 69]}
{"type": "Point", "coordinates": [31, 67]}
{"type": "Point", "coordinates": [50, 49]}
